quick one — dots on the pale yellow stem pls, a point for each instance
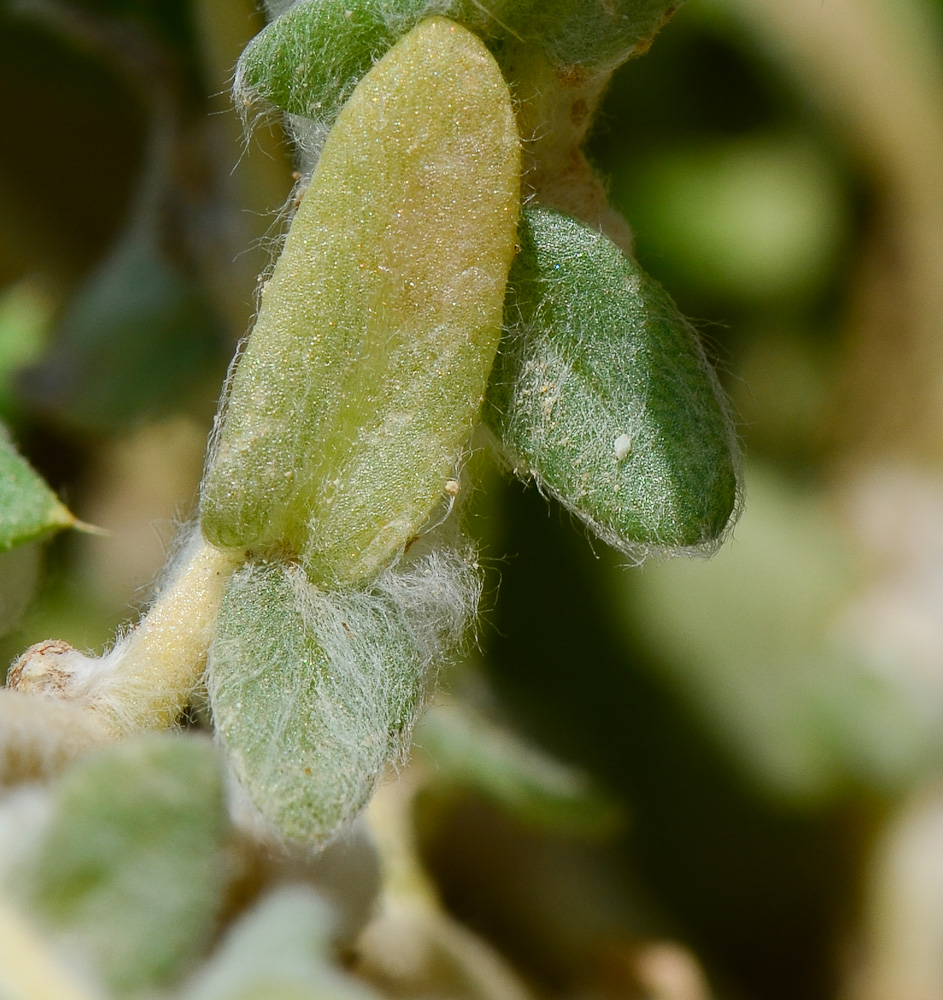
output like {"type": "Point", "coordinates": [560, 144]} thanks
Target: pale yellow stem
{"type": "Point", "coordinates": [147, 679]}
{"type": "Point", "coordinates": [28, 970]}
{"type": "Point", "coordinates": [159, 665]}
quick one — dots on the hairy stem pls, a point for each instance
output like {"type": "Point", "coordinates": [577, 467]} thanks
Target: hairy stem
{"type": "Point", "coordinates": [146, 680]}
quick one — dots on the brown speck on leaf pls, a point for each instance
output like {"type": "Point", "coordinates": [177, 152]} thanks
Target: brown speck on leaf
{"type": "Point", "coordinates": [573, 76]}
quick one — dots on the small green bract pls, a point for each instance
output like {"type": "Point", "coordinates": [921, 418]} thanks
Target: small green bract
{"type": "Point", "coordinates": [315, 693]}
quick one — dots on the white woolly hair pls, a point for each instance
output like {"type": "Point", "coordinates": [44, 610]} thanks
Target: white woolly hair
{"type": "Point", "coordinates": [315, 693]}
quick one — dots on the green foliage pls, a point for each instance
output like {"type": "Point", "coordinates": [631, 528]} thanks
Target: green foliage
{"type": "Point", "coordinates": [314, 693]}
{"type": "Point", "coordinates": [308, 61]}
{"type": "Point", "coordinates": [595, 34]}
{"type": "Point", "coordinates": [128, 872]}
{"type": "Point", "coordinates": [28, 508]}
{"type": "Point", "coordinates": [603, 396]}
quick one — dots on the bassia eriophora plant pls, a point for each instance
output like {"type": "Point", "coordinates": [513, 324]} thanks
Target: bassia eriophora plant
{"type": "Point", "coordinates": [452, 260]}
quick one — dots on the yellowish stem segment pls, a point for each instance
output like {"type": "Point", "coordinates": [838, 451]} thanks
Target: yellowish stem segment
{"type": "Point", "coordinates": [162, 661]}
{"type": "Point", "coordinates": [144, 682]}
{"type": "Point", "coordinates": [28, 971]}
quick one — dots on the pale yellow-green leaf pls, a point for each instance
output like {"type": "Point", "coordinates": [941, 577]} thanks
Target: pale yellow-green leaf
{"type": "Point", "coordinates": [360, 383]}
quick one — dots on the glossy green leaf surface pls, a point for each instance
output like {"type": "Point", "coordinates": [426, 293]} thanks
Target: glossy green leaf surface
{"type": "Point", "coordinates": [359, 386]}
{"type": "Point", "coordinates": [602, 394]}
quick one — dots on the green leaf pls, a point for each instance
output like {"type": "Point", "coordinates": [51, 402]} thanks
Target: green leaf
{"type": "Point", "coordinates": [136, 337]}
{"type": "Point", "coordinates": [309, 60]}
{"type": "Point", "coordinates": [603, 396]}
{"type": "Point", "coordinates": [595, 34]}
{"type": "Point", "coordinates": [129, 873]}
{"type": "Point", "coordinates": [28, 508]}
{"type": "Point", "coordinates": [361, 381]}
{"type": "Point", "coordinates": [467, 750]}
{"type": "Point", "coordinates": [314, 693]}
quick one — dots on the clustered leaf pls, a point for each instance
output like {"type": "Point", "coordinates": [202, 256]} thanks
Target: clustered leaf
{"type": "Point", "coordinates": [602, 394]}
{"type": "Point", "coordinates": [346, 419]}
{"type": "Point", "coordinates": [378, 333]}
{"type": "Point", "coordinates": [308, 61]}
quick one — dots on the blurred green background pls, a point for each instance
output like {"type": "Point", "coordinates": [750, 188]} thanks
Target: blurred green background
{"type": "Point", "coordinates": [771, 719]}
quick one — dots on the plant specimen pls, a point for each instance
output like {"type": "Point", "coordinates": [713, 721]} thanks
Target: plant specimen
{"type": "Point", "coordinates": [327, 579]}
{"type": "Point", "coordinates": [452, 268]}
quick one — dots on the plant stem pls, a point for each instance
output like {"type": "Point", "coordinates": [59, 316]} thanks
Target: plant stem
{"type": "Point", "coordinates": [146, 680]}
{"type": "Point", "coordinates": [160, 663]}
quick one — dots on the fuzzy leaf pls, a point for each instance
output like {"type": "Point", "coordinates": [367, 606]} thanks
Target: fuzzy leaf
{"type": "Point", "coordinates": [603, 396]}
{"type": "Point", "coordinates": [370, 357]}
{"type": "Point", "coordinates": [308, 61]}
{"type": "Point", "coordinates": [129, 871]}
{"type": "Point", "coordinates": [28, 508]}
{"type": "Point", "coordinates": [314, 693]}
{"type": "Point", "coordinates": [595, 34]}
